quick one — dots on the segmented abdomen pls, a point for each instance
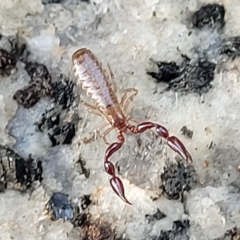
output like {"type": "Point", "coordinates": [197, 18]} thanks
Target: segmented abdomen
{"type": "Point", "coordinates": [93, 78]}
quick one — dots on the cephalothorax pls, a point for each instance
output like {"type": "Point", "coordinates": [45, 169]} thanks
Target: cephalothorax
{"type": "Point", "coordinates": [100, 87]}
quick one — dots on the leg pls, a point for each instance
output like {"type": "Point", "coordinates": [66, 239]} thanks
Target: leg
{"type": "Point", "coordinates": [92, 109]}
{"type": "Point", "coordinates": [100, 128]}
{"type": "Point", "coordinates": [113, 83]}
{"type": "Point", "coordinates": [173, 142]}
{"type": "Point", "coordinates": [126, 100]}
{"type": "Point", "coordinates": [115, 181]}
{"type": "Point", "coordinates": [105, 133]}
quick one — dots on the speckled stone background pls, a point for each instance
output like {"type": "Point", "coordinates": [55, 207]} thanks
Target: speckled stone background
{"type": "Point", "coordinates": [126, 34]}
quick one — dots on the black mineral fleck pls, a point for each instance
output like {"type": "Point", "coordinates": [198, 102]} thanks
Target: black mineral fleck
{"type": "Point", "coordinates": [53, 124]}
{"type": "Point", "coordinates": [39, 86]}
{"type": "Point", "coordinates": [63, 93]}
{"type": "Point", "coordinates": [7, 62]}
{"type": "Point", "coordinates": [202, 75]}
{"type": "Point", "coordinates": [40, 78]}
{"type": "Point", "coordinates": [179, 231]}
{"type": "Point", "coordinates": [16, 172]}
{"type": "Point", "coordinates": [74, 2]}
{"type": "Point", "coordinates": [85, 201]}
{"type": "Point", "coordinates": [178, 178]}
{"type": "Point", "coordinates": [232, 234]}
{"type": "Point", "coordinates": [209, 16]}
{"type": "Point", "coordinates": [167, 71]}
{"type": "Point", "coordinates": [97, 231]}
{"type": "Point", "coordinates": [45, 2]}
{"type": "Point", "coordinates": [67, 132]}
{"type": "Point", "coordinates": [62, 134]}
{"type": "Point", "coordinates": [19, 49]}
{"type": "Point", "coordinates": [81, 168]}
{"type": "Point", "coordinates": [60, 206]}
{"type": "Point", "coordinates": [81, 220]}
{"type": "Point", "coordinates": [158, 215]}
{"type": "Point", "coordinates": [190, 77]}
{"type": "Point", "coordinates": [37, 71]}
{"type": "Point", "coordinates": [9, 55]}
{"type": "Point", "coordinates": [27, 96]}
{"type": "Point", "coordinates": [186, 132]}
{"type": "Point", "coordinates": [230, 47]}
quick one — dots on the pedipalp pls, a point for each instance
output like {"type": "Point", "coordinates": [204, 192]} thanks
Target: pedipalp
{"type": "Point", "coordinates": [173, 142]}
{"type": "Point", "coordinates": [115, 181]}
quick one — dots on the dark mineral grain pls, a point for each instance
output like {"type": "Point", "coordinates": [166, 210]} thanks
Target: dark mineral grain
{"type": "Point", "coordinates": [201, 76]}
{"type": "Point", "coordinates": [179, 231]}
{"type": "Point", "coordinates": [85, 201]}
{"type": "Point", "coordinates": [232, 234]}
{"type": "Point", "coordinates": [16, 172]}
{"type": "Point", "coordinates": [188, 77]}
{"type": "Point", "coordinates": [45, 2]}
{"type": "Point", "coordinates": [60, 206]}
{"type": "Point", "coordinates": [39, 86]}
{"type": "Point", "coordinates": [27, 96]}
{"type": "Point", "coordinates": [80, 167]}
{"type": "Point", "coordinates": [7, 62]}
{"type": "Point", "coordinates": [186, 132]}
{"type": "Point", "coordinates": [63, 93]}
{"type": "Point", "coordinates": [158, 215]}
{"type": "Point", "coordinates": [178, 178]}
{"type": "Point", "coordinates": [167, 71]}
{"type": "Point", "coordinates": [81, 220]}
{"type": "Point", "coordinates": [95, 231]}
{"type": "Point", "coordinates": [9, 56]}
{"type": "Point", "coordinates": [210, 16]}
{"type": "Point", "coordinates": [40, 78]}
{"type": "Point", "coordinates": [37, 71]}
{"type": "Point", "coordinates": [53, 124]}
{"type": "Point", "coordinates": [230, 47]}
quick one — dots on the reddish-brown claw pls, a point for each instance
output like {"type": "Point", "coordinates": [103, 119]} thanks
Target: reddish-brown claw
{"type": "Point", "coordinates": [175, 144]}
{"type": "Point", "coordinates": [118, 188]}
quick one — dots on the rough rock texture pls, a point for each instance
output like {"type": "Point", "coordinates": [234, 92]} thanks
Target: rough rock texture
{"type": "Point", "coordinates": [198, 201]}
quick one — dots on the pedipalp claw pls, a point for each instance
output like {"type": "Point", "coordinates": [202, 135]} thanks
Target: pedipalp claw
{"type": "Point", "coordinates": [118, 188]}
{"type": "Point", "coordinates": [175, 144]}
